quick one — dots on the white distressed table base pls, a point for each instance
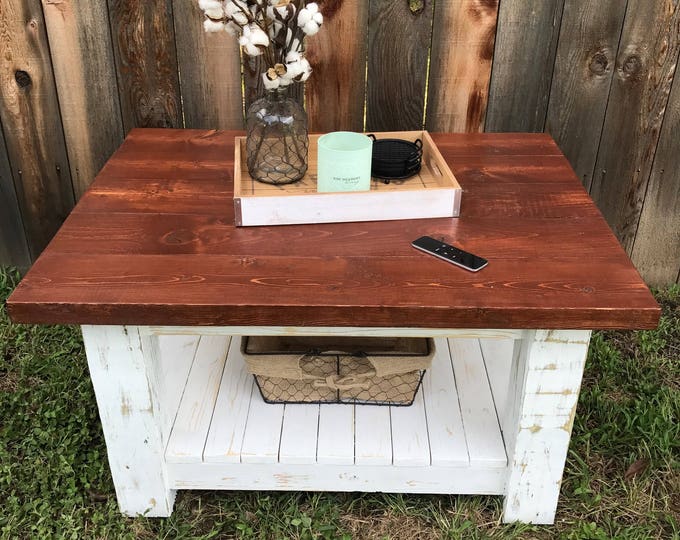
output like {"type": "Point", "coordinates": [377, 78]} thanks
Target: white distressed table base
{"type": "Point", "coordinates": [180, 411]}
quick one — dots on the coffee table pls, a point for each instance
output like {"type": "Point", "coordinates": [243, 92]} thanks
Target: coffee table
{"type": "Point", "coordinates": [150, 264]}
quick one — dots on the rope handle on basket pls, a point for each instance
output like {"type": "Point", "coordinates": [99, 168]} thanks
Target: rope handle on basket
{"type": "Point", "coordinates": [351, 382]}
{"type": "Point", "coordinates": [335, 381]}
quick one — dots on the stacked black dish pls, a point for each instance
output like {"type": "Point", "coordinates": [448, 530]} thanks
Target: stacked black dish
{"type": "Point", "coordinates": [395, 159]}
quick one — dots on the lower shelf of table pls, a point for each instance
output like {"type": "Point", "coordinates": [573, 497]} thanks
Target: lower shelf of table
{"type": "Point", "coordinates": [449, 441]}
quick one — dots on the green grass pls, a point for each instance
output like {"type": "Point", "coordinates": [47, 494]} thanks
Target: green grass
{"type": "Point", "coordinates": [55, 483]}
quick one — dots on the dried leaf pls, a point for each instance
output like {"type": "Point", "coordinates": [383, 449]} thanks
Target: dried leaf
{"type": "Point", "coordinates": [636, 468]}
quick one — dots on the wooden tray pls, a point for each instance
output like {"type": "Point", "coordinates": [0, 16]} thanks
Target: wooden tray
{"type": "Point", "coordinates": [434, 192]}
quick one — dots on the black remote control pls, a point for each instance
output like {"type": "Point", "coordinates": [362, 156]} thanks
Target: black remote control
{"type": "Point", "coordinates": [450, 253]}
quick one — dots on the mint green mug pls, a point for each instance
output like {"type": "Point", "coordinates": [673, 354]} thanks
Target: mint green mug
{"type": "Point", "coordinates": [344, 162]}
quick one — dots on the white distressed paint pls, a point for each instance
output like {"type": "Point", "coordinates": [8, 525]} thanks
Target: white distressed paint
{"type": "Point", "coordinates": [332, 331]}
{"type": "Point", "coordinates": [336, 435]}
{"type": "Point", "coordinates": [372, 435]}
{"type": "Point", "coordinates": [299, 434]}
{"type": "Point", "coordinates": [131, 418]}
{"type": "Point", "coordinates": [228, 425]}
{"type": "Point", "coordinates": [190, 429]}
{"type": "Point", "coordinates": [277, 476]}
{"type": "Point", "coordinates": [448, 445]}
{"type": "Point", "coordinates": [499, 355]}
{"type": "Point", "coordinates": [482, 430]}
{"type": "Point", "coordinates": [345, 207]}
{"type": "Point", "coordinates": [410, 444]}
{"type": "Point", "coordinates": [263, 431]}
{"type": "Point", "coordinates": [172, 357]}
{"type": "Point", "coordinates": [236, 441]}
{"type": "Point", "coordinates": [538, 448]}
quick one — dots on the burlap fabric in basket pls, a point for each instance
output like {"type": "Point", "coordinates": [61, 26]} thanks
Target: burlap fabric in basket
{"type": "Point", "coordinates": [331, 370]}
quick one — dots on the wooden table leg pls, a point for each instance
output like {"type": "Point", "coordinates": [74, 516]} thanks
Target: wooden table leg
{"type": "Point", "coordinates": [123, 376]}
{"type": "Point", "coordinates": [546, 385]}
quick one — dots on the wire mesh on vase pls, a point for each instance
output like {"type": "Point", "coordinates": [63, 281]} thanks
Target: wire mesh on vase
{"type": "Point", "coordinates": [277, 140]}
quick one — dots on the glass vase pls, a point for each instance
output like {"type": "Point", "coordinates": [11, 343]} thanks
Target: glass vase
{"type": "Point", "coordinates": [277, 140]}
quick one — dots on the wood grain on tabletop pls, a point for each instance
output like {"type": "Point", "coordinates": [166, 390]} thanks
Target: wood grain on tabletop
{"type": "Point", "coordinates": [553, 260]}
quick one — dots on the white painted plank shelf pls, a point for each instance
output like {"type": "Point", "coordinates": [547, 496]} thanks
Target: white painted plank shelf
{"type": "Point", "coordinates": [448, 441]}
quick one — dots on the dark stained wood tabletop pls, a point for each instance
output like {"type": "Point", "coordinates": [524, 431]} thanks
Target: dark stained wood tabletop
{"type": "Point", "coordinates": [153, 241]}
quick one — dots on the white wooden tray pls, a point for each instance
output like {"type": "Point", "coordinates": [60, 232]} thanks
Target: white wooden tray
{"type": "Point", "coordinates": [434, 192]}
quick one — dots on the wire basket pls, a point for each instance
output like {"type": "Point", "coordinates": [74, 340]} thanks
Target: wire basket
{"type": "Point", "coordinates": [357, 370]}
{"type": "Point", "coordinates": [395, 159]}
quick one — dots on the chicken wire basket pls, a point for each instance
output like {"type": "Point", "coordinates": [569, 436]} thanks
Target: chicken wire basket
{"type": "Point", "coordinates": [354, 370]}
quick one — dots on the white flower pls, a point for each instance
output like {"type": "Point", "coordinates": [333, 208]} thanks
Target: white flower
{"type": "Point", "coordinates": [280, 11]}
{"type": "Point", "coordinates": [213, 26]}
{"type": "Point", "coordinates": [234, 11]}
{"type": "Point", "coordinates": [212, 9]}
{"type": "Point", "coordinates": [270, 79]}
{"type": "Point", "coordinates": [310, 19]}
{"type": "Point", "coordinates": [293, 56]}
{"type": "Point", "coordinates": [252, 39]}
{"type": "Point", "coordinates": [297, 67]}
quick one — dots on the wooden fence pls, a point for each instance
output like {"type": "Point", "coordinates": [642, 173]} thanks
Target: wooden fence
{"type": "Point", "coordinates": [77, 75]}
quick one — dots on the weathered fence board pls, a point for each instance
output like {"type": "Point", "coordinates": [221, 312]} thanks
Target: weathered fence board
{"type": "Point", "coordinates": [596, 74]}
{"type": "Point", "coordinates": [460, 65]}
{"type": "Point", "coordinates": [335, 92]}
{"type": "Point", "coordinates": [13, 247]}
{"type": "Point", "coordinates": [656, 251]}
{"type": "Point", "coordinates": [209, 71]}
{"type": "Point", "coordinates": [398, 46]}
{"type": "Point", "coordinates": [526, 40]}
{"type": "Point", "coordinates": [144, 47]}
{"type": "Point", "coordinates": [644, 71]}
{"type": "Point", "coordinates": [30, 116]}
{"type": "Point", "coordinates": [584, 66]}
{"type": "Point", "coordinates": [84, 70]}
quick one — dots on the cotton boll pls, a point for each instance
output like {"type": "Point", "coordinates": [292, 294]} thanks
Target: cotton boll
{"type": "Point", "coordinates": [297, 66]}
{"type": "Point", "coordinates": [309, 19]}
{"type": "Point", "coordinates": [270, 84]}
{"type": "Point", "coordinates": [212, 8]}
{"type": "Point", "coordinates": [235, 12]}
{"type": "Point", "coordinates": [248, 47]}
{"type": "Point", "coordinates": [310, 28]}
{"type": "Point", "coordinates": [205, 5]}
{"type": "Point", "coordinates": [293, 56]}
{"type": "Point", "coordinates": [281, 13]}
{"type": "Point", "coordinates": [306, 69]}
{"type": "Point", "coordinates": [257, 35]}
{"type": "Point", "coordinates": [213, 26]}
{"type": "Point", "coordinates": [304, 17]}
{"type": "Point", "coordinates": [287, 11]}
{"type": "Point", "coordinates": [252, 39]}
